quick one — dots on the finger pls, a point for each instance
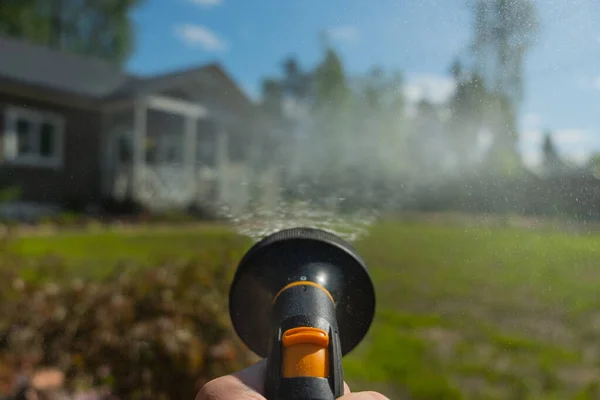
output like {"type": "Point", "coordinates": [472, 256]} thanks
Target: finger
{"type": "Point", "coordinates": [254, 376]}
{"type": "Point", "coordinates": [246, 384]}
{"type": "Point", "coordinates": [364, 396]}
{"type": "Point", "coordinates": [347, 388]}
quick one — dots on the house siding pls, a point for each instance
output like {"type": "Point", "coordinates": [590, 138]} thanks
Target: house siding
{"type": "Point", "coordinates": [78, 180]}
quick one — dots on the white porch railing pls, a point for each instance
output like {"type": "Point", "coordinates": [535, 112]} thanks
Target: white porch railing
{"type": "Point", "coordinates": [162, 187]}
{"type": "Point", "coordinates": [166, 186]}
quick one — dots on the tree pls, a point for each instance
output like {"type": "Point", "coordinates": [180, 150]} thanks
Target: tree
{"type": "Point", "coordinates": [551, 161]}
{"type": "Point", "coordinates": [375, 88]}
{"type": "Point", "coordinates": [501, 119]}
{"type": "Point", "coordinates": [271, 96]}
{"type": "Point", "coordinates": [467, 107]}
{"type": "Point", "coordinates": [351, 135]}
{"type": "Point", "coordinates": [296, 82]}
{"type": "Point", "coordinates": [428, 150]}
{"type": "Point", "coordinates": [594, 164]}
{"type": "Point", "coordinates": [549, 150]}
{"type": "Point", "coordinates": [330, 81]}
{"type": "Point", "coordinates": [295, 85]}
{"type": "Point", "coordinates": [503, 32]}
{"type": "Point", "coordinates": [380, 121]}
{"type": "Point", "coordinates": [100, 28]}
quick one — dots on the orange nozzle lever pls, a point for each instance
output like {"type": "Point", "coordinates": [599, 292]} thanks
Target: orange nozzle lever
{"type": "Point", "coordinates": [305, 353]}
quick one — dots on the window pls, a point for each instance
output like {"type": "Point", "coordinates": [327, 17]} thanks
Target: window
{"type": "Point", "coordinates": [24, 137]}
{"type": "Point", "coordinates": [33, 138]}
{"type": "Point", "coordinates": [206, 143]}
{"type": "Point", "coordinates": [124, 150]}
{"type": "Point", "coordinates": [206, 152]}
{"type": "Point", "coordinates": [47, 139]}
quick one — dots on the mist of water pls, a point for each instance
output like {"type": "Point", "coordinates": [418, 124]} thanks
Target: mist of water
{"type": "Point", "coordinates": [340, 166]}
{"type": "Point", "coordinates": [341, 171]}
{"type": "Point", "coordinates": [260, 223]}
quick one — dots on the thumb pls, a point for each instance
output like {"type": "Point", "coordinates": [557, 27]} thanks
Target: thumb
{"type": "Point", "coordinates": [246, 384]}
{"type": "Point", "coordinates": [368, 395]}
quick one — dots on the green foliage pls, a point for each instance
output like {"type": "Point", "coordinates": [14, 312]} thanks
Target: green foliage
{"type": "Point", "coordinates": [465, 309]}
{"type": "Point", "coordinates": [96, 28]}
{"type": "Point", "coordinates": [595, 160]}
{"type": "Point", "coordinates": [149, 333]}
{"type": "Point", "coordinates": [549, 149]}
{"type": "Point", "coordinates": [351, 131]}
{"type": "Point", "coordinates": [503, 31]}
{"type": "Point", "coordinates": [467, 106]}
{"type": "Point", "coordinates": [330, 81]}
{"type": "Point", "coordinates": [68, 218]}
{"type": "Point", "coordinates": [9, 194]}
{"type": "Point", "coordinates": [590, 392]}
{"type": "Point", "coordinates": [271, 93]}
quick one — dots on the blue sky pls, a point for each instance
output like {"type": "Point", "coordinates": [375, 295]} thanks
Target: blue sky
{"type": "Point", "coordinates": [418, 37]}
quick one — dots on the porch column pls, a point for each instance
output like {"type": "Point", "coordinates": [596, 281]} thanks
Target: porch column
{"type": "Point", "coordinates": [221, 161]}
{"type": "Point", "coordinates": [190, 148]}
{"type": "Point", "coordinates": [139, 145]}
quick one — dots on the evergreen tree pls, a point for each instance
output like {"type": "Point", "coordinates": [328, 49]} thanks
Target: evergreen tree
{"type": "Point", "coordinates": [99, 28]}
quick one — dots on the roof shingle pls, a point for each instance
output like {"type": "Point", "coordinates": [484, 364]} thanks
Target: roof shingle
{"type": "Point", "coordinates": [33, 64]}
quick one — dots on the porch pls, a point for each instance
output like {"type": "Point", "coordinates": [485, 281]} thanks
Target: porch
{"type": "Point", "coordinates": [167, 153]}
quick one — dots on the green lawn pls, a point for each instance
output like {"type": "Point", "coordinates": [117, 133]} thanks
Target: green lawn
{"type": "Point", "coordinates": [96, 254]}
{"type": "Point", "coordinates": [482, 313]}
{"type": "Point", "coordinates": [474, 313]}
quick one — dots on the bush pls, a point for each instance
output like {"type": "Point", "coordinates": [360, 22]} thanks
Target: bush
{"type": "Point", "coordinates": [158, 333]}
{"type": "Point", "coordinates": [127, 206]}
{"type": "Point", "coordinates": [10, 193]}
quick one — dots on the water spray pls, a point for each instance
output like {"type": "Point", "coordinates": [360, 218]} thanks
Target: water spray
{"type": "Point", "coordinates": [302, 298]}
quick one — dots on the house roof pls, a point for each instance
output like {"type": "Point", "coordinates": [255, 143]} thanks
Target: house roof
{"type": "Point", "coordinates": [37, 65]}
{"type": "Point", "coordinates": [32, 64]}
{"type": "Point", "coordinates": [171, 79]}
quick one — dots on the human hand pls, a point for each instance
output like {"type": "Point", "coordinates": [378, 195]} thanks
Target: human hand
{"type": "Point", "coordinates": [247, 384]}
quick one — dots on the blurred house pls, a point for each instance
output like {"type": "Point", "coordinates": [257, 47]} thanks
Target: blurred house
{"type": "Point", "coordinates": [77, 130]}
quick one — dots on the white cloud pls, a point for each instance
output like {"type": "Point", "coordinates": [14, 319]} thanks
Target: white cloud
{"type": "Point", "coordinates": [596, 82]}
{"type": "Point", "coordinates": [575, 145]}
{"type": "Point", "coordinates": [587, 82]}
{"type": "Point", "coordinates": [206, 3]}
{"type": "Point", "coordinates": [434, 88]}
{"type": "Point", "coordinates": [572, 136]}
{"type": "Point", "coordinates": [531, 136]}
{"type": "Point", "coordinates": [200, 36]}
{"type": "Point", "coordinates": [344, 33]}
{"type": "Point", "coordinates": [561, 137]}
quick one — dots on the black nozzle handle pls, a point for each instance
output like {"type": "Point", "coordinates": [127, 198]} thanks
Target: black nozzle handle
{"type": "Point", "coordinates": [305, 355]}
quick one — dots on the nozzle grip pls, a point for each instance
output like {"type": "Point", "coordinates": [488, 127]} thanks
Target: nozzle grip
{"type": "Point", "coordinates": [305, 357]}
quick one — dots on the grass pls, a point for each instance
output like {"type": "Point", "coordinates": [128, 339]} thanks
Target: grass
{"type": "Point", "coordinates": [482, 312]}
{"type": "Point", "coordinates": [97, 253]}
{"type": "Point", "coordinates": [463, 312]}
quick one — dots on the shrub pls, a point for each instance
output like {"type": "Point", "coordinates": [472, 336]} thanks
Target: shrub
{"type": "Point", "coordinates": [10, 193]}
{"type": "Point", "coordinates": [157, 333]}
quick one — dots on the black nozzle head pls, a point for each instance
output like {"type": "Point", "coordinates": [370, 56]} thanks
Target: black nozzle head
{"type": "Point", "coordinates": [293, 255]}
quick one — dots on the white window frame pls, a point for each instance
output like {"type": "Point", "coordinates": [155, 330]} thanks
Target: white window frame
{"type": "Point", "coordinates": [36, 118]}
